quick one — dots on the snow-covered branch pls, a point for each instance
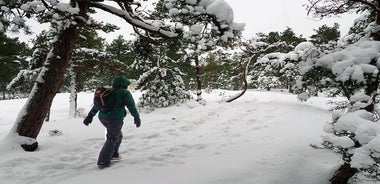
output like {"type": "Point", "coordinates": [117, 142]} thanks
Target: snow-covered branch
{"type": "Point", "coordinates": [153, 28]}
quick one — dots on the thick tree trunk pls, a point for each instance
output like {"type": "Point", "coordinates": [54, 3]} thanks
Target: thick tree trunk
{"type": "Point", "coordinates": [31, 118]}
{"type": "Point", "coordinates": [45, 88]}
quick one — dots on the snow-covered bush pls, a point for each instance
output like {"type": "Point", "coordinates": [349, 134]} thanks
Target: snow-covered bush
{"type": "Point", "coordinates": [303, 97]}
{"type": "Point", "coordinates": [276, 70]}
{"type": "Point", "coordinates": [355, 133]}
{"type": "Point", "coordinates": [356, 136]}
{"type": "Point", "coordinates": [165, 89]}
{"type": "Point", "coordinates": [267, 82]}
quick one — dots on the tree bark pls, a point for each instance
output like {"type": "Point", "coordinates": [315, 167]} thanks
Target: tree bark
{"type": "Point", "coordinates": [73, 91]}
{"type": "Point", "coordinates": [198, 78]}
{"type": "Point", "coordinates": [46, 87]}
{"type": "Point", "coordinates": [343, 174]}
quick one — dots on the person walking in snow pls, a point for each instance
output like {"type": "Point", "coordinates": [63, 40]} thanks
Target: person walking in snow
{"type": "Point", "coordinates": [113, 121]}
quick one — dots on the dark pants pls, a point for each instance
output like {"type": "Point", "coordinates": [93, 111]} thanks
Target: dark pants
{"type": "Point", "coordinates": [114, 137]}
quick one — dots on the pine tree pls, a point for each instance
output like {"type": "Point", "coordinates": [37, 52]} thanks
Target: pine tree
{"type": "Point", "coordinates": [357, 76]}
{"type": "Point", "coordinates": [277, 70]}
{"type": "Point", "coordinates": [161, 82]}
{"type": "Point", "coordinates": [286, 40]}
{"type": "Point", "coordinates": [211, 72]}
{"type": "Point", "coordinates": [23, 81]}
{"type": "Point", "coordinates": [207, 29]}
{"type": "Point", "coordinates": [13, 55]}
{"type": "Point", "coordinates": [325, 34]}
{"type": "Point", "coordinates": [276, 64]}
{"type": "Point", "coordinates": [121, 51]}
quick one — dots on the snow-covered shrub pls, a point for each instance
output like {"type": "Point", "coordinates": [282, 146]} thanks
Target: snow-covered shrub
{"type": "Point", "coordinates": [303, 97]}
{"type": "Point", "coordinates": [355, 135]}
{"type": "Point", "coordinates": [164, 89]}
{"type": "Point", "coordinates": [276, 70]}
{"type": "Point", "coordinates": [339, 105]}
{"type": "Point", "coordinates": [268, 82]}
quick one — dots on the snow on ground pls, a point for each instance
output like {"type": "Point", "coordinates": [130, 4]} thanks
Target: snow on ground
{"type": "Point", "coordinates": [261, 138]}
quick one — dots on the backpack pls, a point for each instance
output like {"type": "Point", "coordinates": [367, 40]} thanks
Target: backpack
{"type": "Point", "coordinates": [104, 99]}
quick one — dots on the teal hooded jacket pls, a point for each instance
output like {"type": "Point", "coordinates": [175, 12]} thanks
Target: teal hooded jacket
{"type": "Point", "coordinates": [119, 85]}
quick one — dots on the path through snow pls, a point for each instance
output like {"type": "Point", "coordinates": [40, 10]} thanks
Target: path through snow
{"type": "Point", "coordinates": [262, 137]}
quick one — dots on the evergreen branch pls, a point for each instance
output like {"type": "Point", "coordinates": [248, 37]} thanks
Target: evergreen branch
{"type": "Point", "coordinates": [370, 4]}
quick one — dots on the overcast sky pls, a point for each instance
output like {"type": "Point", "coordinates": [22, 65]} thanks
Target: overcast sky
{"type": "Point", "coordinates": [276, 15]}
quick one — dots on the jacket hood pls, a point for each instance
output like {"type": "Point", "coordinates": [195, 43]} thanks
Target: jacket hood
{"type": "Point", "coordinates": [120, 82]}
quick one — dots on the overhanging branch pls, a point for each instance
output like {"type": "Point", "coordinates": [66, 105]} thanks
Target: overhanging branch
{"type": "Point", "coordinates": [133, 21]}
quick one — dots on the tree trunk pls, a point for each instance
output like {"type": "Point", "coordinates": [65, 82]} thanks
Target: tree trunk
{"type": "Point", "coordinates": [343, 174]}
{"type": "Point", "coordinates": [49, 81]}
{"type": "Point", "coordinates": [73, 91]}
{"type": "Point", "coordinates": [290, 85]}
{"type": "Point", "coordinates": [31, 117]}
{"type": "Point", "coordinates": [198, 78]}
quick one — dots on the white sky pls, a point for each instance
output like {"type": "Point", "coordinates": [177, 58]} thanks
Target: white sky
{"type": "Point", "coordinates": [276, 15]}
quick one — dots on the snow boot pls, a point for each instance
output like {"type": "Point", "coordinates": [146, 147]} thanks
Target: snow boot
{"type": "Point", "coordinates": [116, 159]}
{"type": "Point", "coordinates": [103, 166]}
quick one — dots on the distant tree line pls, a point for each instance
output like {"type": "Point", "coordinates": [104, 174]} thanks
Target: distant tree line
{"type": "Point", "coordinates": [96, 62]}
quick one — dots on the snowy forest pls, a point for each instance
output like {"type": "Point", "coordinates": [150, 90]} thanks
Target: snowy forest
{"type": "Point", "coordinates": [191, 46]}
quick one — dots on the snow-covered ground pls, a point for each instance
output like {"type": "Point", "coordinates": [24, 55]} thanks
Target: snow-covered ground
{"type": "Point", "coordinates": [261, 138]}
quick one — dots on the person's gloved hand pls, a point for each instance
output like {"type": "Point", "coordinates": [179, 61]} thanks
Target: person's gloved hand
{"type": "Point", "coordinates": [89, 117]}
{"type": "Point", "coordinates": [87, 120]}
{"type": "Point", "coordinates": [137, 122]}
